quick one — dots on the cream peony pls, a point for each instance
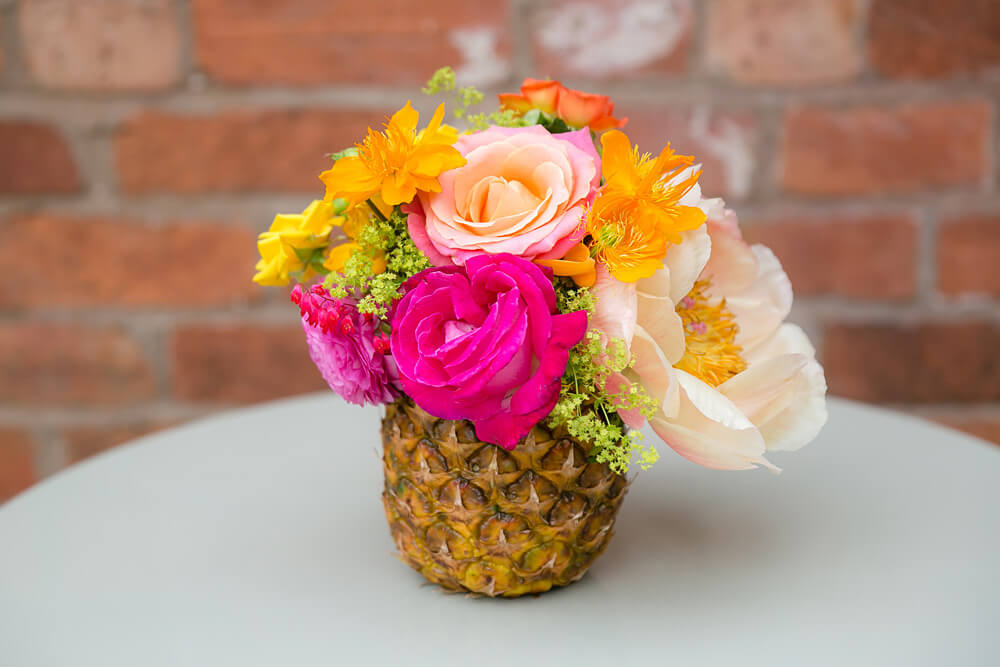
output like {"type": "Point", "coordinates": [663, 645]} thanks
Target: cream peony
{"type": "Point", "coordinates": [728, 394]}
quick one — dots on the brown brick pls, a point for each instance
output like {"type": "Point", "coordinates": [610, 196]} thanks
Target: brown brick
{"type": "Point", "coordinates": [924, 363]}
{"type": "Point", "coordinates": [781, 42]}
{"type": "Point", "coordinates": [238, 151]}
{"type": "Point", "coordinates": [874, 150]}
{"type": "Point", "coordinates": [968, 255]}
{"type": "Point", "coordinates": [986, 428]}
{"type": "Point", "coordinates": [17, 463]}
{"type": "Point", "coordinates": [866, 258]}
{"type": "Point", "coordinates": [722, 142]}
{"type": "Point", "coordinates": [36, 159]}
{"type": "Point", "coordinates": [312, 42]}
{"type": "Point", "coordinates": [93, 261]}
{"type": "Point", "coordinates": [917, 39]}
{"type": "Point", "coordinates": [101, 44]}
{"type": "Point", "coordinates": [612, 39]}
{"type": "Point", "coordinates": [85, 441]}
{"type": "Point", "coordinates": [47, 364]}
{"type": "Point", "coordinates": [242, 363]}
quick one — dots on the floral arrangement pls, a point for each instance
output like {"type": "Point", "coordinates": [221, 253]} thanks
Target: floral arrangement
{"type": "Point", "coordinates": [538, 268]}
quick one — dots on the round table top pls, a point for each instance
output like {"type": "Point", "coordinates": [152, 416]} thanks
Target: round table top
{"type": "Point", "coordinates": [258, 538]}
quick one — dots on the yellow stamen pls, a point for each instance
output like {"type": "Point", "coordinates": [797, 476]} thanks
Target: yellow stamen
{"type": "Point", "coordinates": [711, 353]}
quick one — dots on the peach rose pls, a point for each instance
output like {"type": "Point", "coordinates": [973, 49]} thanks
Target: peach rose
{"type": "Point", "coordinates": [576, 108]}
{"type": "Point", "coordinates": [522, 191]}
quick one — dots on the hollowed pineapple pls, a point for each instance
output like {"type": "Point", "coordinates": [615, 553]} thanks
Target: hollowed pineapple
{"type": "Point", "coordinates": [472, 516]}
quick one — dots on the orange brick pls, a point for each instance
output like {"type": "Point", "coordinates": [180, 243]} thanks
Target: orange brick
{"type": "Point", "coordinates": [865, 258]}
{"type": "Point", "coordinates": [17, 463]}
{"type": "Point", "coordinates": [920, 39]}
{"type": "Point", "coordinates": [242, 363]}
{"type": "Point", "coordinates": [875, 150]}
{"type": "Point", "coordinates": [94, 261]}
{"type": "Point", "coordinates": [101, 44]}
{"type": "Point", "coordinates": [924, 363]}
{"type": "Point", "coordinates": [313, 42]}
{"type": "Point", "coordinates": [49, 364]}
{"type": "Point", "coordinates": [782, 42]}
{"type": "Point", "coordinates": [237, 151]}
{"type": "Point", "coordinates": [85, 441]}
{"type": "Point", "coordinates": [36, 159]}
{"type": "Point", "coordinates": [968, 255]}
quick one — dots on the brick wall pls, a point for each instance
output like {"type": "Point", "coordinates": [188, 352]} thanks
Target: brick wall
{"type": "Point", "coordinates": [143, 144]}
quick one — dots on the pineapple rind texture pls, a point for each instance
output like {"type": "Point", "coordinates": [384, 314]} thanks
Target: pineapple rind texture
{"type": "Point", "coordinates": [472, 516]}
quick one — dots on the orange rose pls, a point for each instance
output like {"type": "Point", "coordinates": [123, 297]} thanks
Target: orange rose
{"type": "Point", "coordinates": [574, 107]}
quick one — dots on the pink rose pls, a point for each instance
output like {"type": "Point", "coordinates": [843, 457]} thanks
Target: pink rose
{"type": "Point", "coordinates": [484, 342]}
{"type": "Point", "coordinates": [522, 191]}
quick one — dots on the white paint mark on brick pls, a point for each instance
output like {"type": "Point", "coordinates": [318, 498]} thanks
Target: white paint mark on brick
{"type": "Point", "coordinates": [730, 144]}
{"type": "Point", "coordinates": [599, 38]}
{"type": "Point", "coordinates": [481, 64]}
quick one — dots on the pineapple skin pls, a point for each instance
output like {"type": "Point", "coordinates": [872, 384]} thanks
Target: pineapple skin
{"type": "Point", "coordinates": [471, 516]}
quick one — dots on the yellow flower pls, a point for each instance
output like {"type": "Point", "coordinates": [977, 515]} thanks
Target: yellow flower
{"type": "Point", "coordinates": [285, 247]}
{"type": "Point", "coordinates": [638, 211]}
{"type": "Point", "coordinates": [395, 163]}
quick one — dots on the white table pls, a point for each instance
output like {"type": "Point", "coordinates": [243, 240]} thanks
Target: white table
{"type": "Point", "coordinates": [257, 538]}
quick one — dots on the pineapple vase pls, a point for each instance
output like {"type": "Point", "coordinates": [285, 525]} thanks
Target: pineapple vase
{"type": "Point", "coordinates": [472, 516]}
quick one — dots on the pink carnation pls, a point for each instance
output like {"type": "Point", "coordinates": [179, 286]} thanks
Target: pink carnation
{"type": "Point", "coordinates": [484, 342]}
{"type": "Point", "coordinates": [352, 357]}
{"type": "Point", "coordinates": [522, 191]}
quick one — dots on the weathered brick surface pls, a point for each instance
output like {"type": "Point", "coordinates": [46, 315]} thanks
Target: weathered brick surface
{"type": "Point", "coordinates": [968, 255]}
{"type": "Point", "coordinates": [241, 363]}
{"type": "Point", "coordinates": [723, 143]}
{"type": "Point", "coordinates": [311, 42]}
{"type": "Point", "coordinates": [931, 38]}
{"type": "Point", "coordinates": [94, 261]}
{"type": "Point", "coordinates": [17, 463]}
{"type": "Point", "coordinates": [85, 441]}
{"type": "Point", "coordinates": [56, 364]}
{"type": "Point", "coordinates": [612, 38]}
{"type": "Point", "coordinates": [913, 364]}
{"type": "Point", "coordinates": [864, 258]}
{"type": "Point", "coordinates": [876, 150]}
{"type": "Point", "coordinates": [36, 159]}
{"type": "Point", "coordinates": [236, 151]}
{"type": "Point", "coordinates": [101, 44]}
{"type": "Point", "coordinates": [782, 42]}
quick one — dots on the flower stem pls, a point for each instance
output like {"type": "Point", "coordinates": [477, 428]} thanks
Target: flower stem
{"type": "Point", "coordinates": [375, 210]}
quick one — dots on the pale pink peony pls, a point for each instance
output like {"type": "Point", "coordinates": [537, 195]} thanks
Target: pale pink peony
{"type": "Point", "coordinates": [522, 191]}
{"type": "Point", "coordinates": [776, 403]}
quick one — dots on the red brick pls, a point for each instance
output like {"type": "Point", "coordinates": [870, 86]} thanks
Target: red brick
{"type": "Point", "coordinates": [238, 151]}
{"type": "Point", "coordinates": [93, 261]}
{"type": "Point", "coordinates": [784, 42]}
{"type": "Point", "coordinates": [36, 159]}
{"type": "Point", "coordinates": [721, 142]}
{"type": "Point", "coordinates": [47, 364]}
{"type": "Point", "coordinates": [312, 42]}
{"type": "Point", "coordinates": [85, 441]}
{"type": "Point", "coordinates": [968, 255]}
{"type": "Point", "coordinates": [923, 363]}
{"type": "Point", "coordinates": [612, 39]}
{"type": "Point", "coordinates": [865, 258]}
{"type": "Point", "coordinates": [242, 363]}
{"type": "Point", "coordinates": [17, 463]}
{"type": "Point", "coordinates": [986, 428]}
{"type": "Point", "coordinates": [918, 39]}
{"type": "Point", "coordinates": [873, 150]}
{"type": "Point", "coordinates": [101, 44]}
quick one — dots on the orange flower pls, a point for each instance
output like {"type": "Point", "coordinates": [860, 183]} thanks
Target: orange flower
{"type": "Point", "coordinates": [574, 107]}
{"type": "Point", "coordinates": [577, 264]}
{"type": "Point", "coordinates": [395, 163]}
{"type": "Point", "coordinates": [638, 211]}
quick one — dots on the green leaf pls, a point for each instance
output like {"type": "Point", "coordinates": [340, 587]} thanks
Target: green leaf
{"type": "Point", "coordinates": [347, 152]}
